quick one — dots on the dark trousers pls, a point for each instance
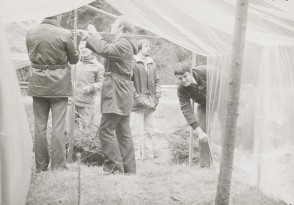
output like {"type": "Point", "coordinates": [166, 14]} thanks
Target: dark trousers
{"type": "Point", "coordinates": [41, 108]}
{"type": "Point", "coordinates": [117, 143]}
{"type": "Point", "coordinates": [204, 150]}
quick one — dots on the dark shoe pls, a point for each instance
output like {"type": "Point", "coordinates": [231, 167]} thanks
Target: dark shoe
{"type": "Point", "coordinates": [102, 172]}
{"type": "Point", "coordinates": [41, 170]}
{"type": "Point", "coordinates": [114, 168]}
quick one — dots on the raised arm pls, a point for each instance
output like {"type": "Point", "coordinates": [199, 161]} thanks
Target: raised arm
{"type": "Point", "coordinates": [114, 50]}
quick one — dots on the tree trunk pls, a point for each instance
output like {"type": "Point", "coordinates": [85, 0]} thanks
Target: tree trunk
{"type": "Point", "coordinates": [227, 157]}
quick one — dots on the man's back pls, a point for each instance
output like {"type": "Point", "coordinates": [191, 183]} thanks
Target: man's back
{"type": "Point", "coordinates": [49, 44]}
{"type": "Point", "coordinates": [50, 49]}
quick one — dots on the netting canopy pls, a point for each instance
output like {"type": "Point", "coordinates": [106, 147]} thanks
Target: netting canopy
{"type": "Point", "coordinates": [264, 154]}
{"type": "Point", "coordinates": [15, 137]}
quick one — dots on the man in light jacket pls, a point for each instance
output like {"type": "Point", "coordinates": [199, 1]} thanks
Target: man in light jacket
{"type": "Point", "coordinates": [89, 79]}
{"type": "Point", "coordinates": [51, 49]}
{"type": "Point", "coordinates": [148, 92]}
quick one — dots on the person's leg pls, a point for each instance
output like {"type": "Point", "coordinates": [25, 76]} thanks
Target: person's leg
{"type": "Point", "coordinates": [109, 143]}
{"type": "Point", "coordinates": [41, 112]}
{"type": "Point", "coordinates": [136, 124]}
{"type": "Point", "coordinates": [203, 145]}
{"type": "Point", "coordinates": [78, 117]}
{"type": "Point", "coordinates": [58, 109]}
{"type": "Point", "coordinates": [126, 146]}
{"type": "Point", "coordinates": [86, 118]}
{"type": "Point", "coordinates": [148, 153]}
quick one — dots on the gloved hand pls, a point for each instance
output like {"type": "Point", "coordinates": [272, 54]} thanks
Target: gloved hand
{"type": "Point", "coordinates": [201, 135]}
{"type": "Point", "coordinates": [87, 89]}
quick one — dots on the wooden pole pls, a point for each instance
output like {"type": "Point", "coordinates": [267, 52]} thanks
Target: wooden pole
{"type": "Point", "coordinates": [191, 140]}
{"type": "Point", "coordinates": [227, 156]}
{"type": "Point", "coordinates": [4, 165]}
{"type": "Point", "coordinates": [79, 178]}
{"type": "Point", "coordinates": [4, 162]}
{"type": "Point", "coordinates": [101, 11]}
{"type": "Point", "coordinates": [71, 127]}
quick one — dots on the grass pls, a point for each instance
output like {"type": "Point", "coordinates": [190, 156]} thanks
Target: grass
{"type": "Point", "coordinates": [153, 184]}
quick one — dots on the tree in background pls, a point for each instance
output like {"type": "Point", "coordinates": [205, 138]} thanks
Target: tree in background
{"type": "Point", "coordinates": [166, 54]}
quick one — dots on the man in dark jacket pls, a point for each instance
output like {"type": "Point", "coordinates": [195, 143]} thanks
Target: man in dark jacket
{"type": "Point", "coordinates": [116, 96]}
{"type": "Point", "coordinates": [51, 49]}
{"type": "Point", "coordinates": [147, 86]}
{"type": "Point", "coordinates": [192, 85]}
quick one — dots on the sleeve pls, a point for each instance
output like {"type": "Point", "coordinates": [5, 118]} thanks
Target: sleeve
{"type": "Point", "coordinates": [98, 79]}
{"type": "Point", "coordinates": [186, 107]}
{"type": "Point", "coordinates": [72, 53]}
{"type": "Point", "coordinates": [157, 84]}
{"type": "Point", "coordinates": [115, 51]}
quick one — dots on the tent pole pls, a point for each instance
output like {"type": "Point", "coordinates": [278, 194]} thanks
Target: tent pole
{"type": "Point", "coordinates": [101, 11]}
{"type": "Point", "coordinates": [71, 127]}
{"type": "Point", "coordinates": [4, 194]}
{"type": "Point", "coordinates": [4, 164]}
{"type": "Point", "coordinates": [237, 53]}
{"type": "Point", "coordinates": [191, 141]}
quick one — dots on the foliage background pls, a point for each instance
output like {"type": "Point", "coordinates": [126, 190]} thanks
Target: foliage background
{"type": "Point", "coordinates": [164, 53]}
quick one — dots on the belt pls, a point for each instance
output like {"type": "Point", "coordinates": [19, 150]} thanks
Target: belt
{"type": "Point", "coordinates": [107, 74]}
{"type": "Point", "coordinates": [49, 67]}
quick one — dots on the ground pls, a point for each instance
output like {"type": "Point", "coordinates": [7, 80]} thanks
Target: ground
{"type": "Point", "coordinates": [161, 183]}
{"type": "Point", "coordinates": [153, 184]}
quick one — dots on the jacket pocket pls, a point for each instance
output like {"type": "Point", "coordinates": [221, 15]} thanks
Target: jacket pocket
{"type": "Point", "coordinates": [139, 101]}
{"type": "Point", "coordinates": [144, 101]}
{"type": "Point", "coordinates": [108, 88]}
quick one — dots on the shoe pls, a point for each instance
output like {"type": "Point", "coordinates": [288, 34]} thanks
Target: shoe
{"type": "Point", "coordinates": [102, 172]}
{"type": "Point", "coordinates": [41, 170]}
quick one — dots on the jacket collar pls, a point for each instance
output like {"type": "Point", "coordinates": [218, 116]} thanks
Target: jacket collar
{"type": "Point", "coordinates": [198, 81]}
{"type": "Point", "coordinates": [51, 21]}
{"type": "Point", "coordinates": [138, 58]}
{"type": "Point", "coordinates": [129, 38]}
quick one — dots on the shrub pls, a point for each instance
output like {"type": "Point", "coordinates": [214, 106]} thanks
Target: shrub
{"type": "Point", "coordinates": [179, 146]}
{"type": "Point", "coordinates": [87, 142]}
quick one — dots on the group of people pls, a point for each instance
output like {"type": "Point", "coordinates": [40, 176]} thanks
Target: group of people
{"type": "Point", "coordinates": [129, 86]}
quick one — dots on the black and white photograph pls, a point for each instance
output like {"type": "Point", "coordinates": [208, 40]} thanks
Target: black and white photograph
{"type": "Point", "coordinates": [147, 102]}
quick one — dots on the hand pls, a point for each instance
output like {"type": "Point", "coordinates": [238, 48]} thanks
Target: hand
{"type": "Point", "coordinates": [156, 100]}
{"type": "Point", "coordinates": [83, 33]}
{"type": "Point", "coordinates": [201, 135]}
{"type": "Point", "coordinates": [80, 32]}
{"type": "Point", "coordinates": [138, 99]}
{"type": "Point", "coordinates": [74, 32]}
{"type": "Point", "coordinates": [91, 29]}
{"type": "Point", "coordinates": [86, 89]}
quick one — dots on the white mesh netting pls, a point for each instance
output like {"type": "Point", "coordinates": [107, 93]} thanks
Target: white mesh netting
{"type": "Point", "coordinates": [265, 143]}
